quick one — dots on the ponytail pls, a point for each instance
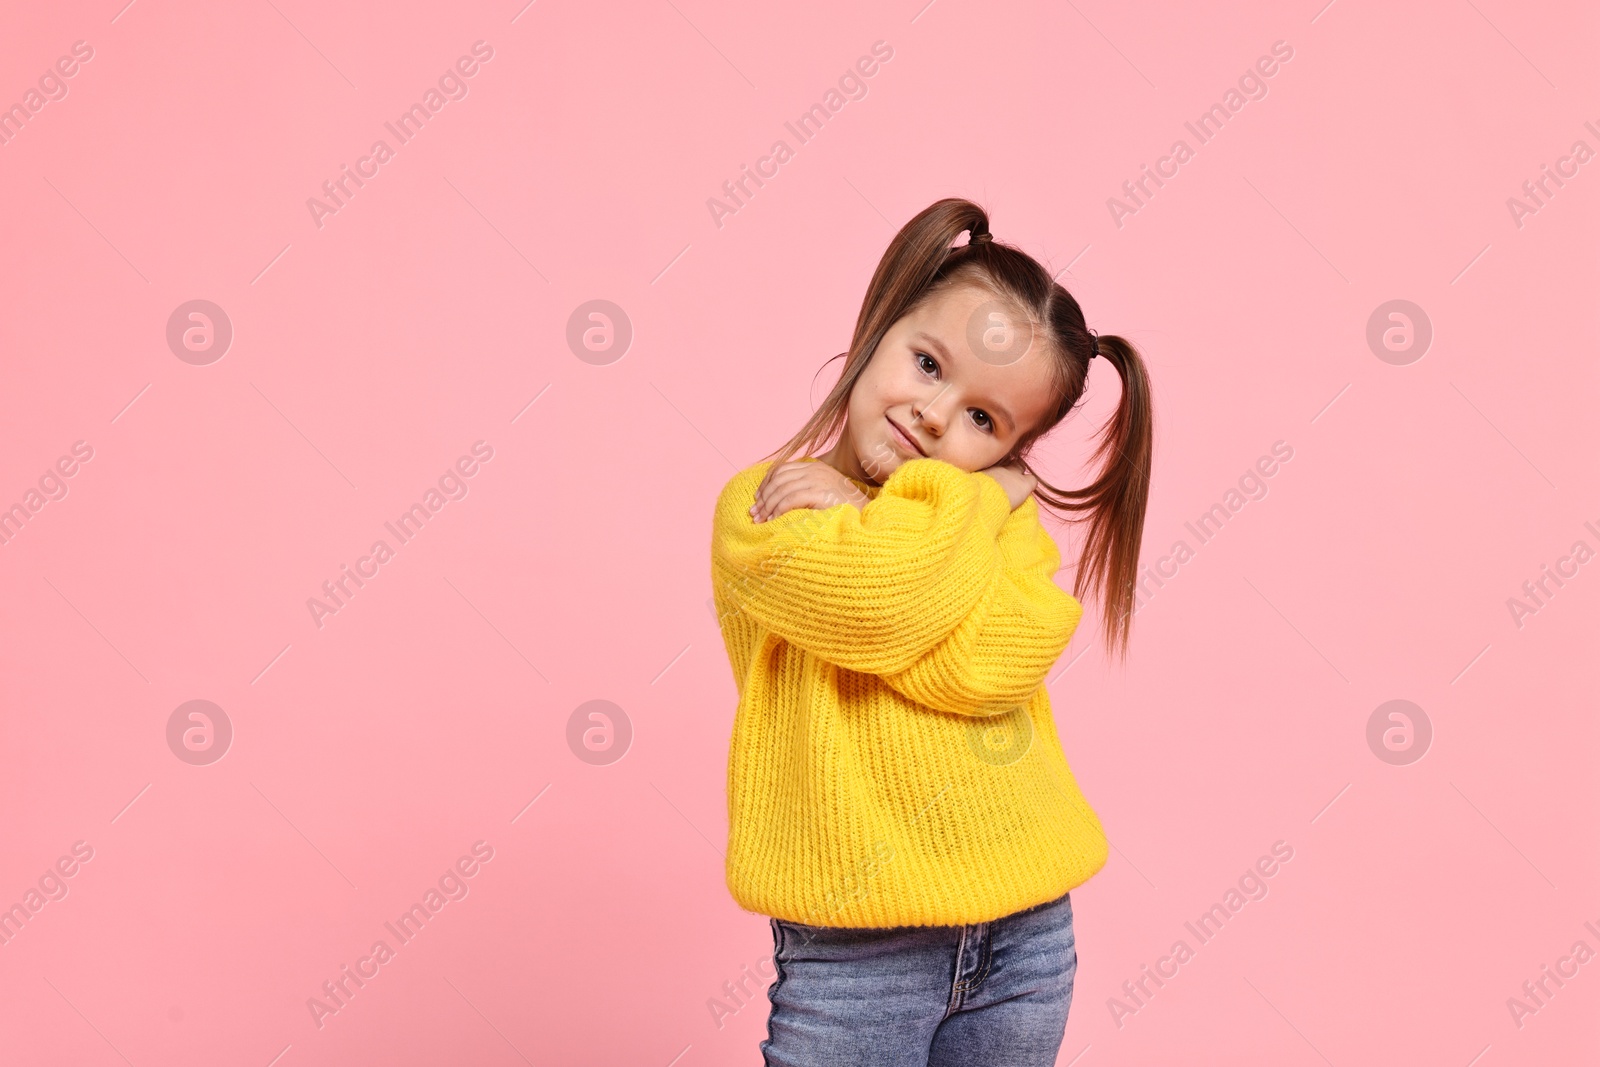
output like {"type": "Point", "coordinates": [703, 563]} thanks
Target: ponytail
{"type": "Point", "coordinates": [1109, 562]}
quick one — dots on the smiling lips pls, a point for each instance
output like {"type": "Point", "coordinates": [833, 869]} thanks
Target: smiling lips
{"type": "Point", "coordinates": [906, 440]}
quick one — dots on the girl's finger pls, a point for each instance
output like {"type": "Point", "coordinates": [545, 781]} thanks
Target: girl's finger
{"type": "Point", "coordinates": [764, 490]}
{"type": "Point", "coordinates": [781, 502]}
{"type": "Point", "coordinates": [773, 472]}
{"type": "Point", "coordinates": [786, 478]}
{"type": "Point", "coordinates": [765, 500]}
{"type": "Point", "coordinates": [778, 480]}
{"type": "Point", "coordinates": [787, 473]}
{"type": "Point", "coordinates": [790, 500]}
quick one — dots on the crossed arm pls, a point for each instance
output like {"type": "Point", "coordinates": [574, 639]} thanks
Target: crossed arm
{"type": "Point", "coordinates": [943, 585]}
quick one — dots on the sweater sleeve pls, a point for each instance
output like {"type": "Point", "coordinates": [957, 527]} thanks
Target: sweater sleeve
{"type": "Point", "coordinates": [999, 654]}
{"type": "Point", "coordinates": [873, 589]}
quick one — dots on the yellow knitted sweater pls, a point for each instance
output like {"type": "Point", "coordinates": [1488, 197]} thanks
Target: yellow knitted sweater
{"type": "Point", "coordinates": [894, 761]}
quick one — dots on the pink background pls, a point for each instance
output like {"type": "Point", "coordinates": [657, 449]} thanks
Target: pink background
{"type": "Point", "coordinates": [432, 309]}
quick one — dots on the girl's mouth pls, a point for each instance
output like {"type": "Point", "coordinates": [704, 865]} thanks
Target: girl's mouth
{"type": "Point", "coordinates": [905, 440]}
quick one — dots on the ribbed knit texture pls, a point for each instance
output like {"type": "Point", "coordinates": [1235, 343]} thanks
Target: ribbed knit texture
{"type": "Point", "coordinates": [894, 761]}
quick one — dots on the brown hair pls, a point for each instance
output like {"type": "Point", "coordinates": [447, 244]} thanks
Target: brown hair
{"type": "Point", "coordinates": [921, 261]}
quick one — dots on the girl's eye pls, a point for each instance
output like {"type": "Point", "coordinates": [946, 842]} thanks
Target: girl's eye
{"type": "Point", "coordinates": [987, 425]}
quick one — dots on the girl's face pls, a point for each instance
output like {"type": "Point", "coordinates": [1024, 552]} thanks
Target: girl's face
{"type": "Point", "coordinates": [958, 379]}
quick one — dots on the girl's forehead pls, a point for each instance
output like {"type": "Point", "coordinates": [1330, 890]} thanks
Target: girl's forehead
{"type": "Point", "coordinates": [982, 333]}
{"type": "Point", "coordinates": [980, 318]}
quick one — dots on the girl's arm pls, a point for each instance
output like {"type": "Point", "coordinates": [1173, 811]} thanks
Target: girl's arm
{"type": "Point", "coordinates": [998, 656]}
{"type": "Point", "coordinates": [1018, 484]}
{"type": "Point", "coordinates": [919, 570]}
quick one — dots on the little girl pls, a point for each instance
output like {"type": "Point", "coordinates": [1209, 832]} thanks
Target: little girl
{"type": "Point", "coordinates": [898, 799]}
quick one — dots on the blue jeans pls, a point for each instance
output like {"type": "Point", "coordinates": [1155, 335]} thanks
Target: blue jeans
{"type": "Point", "coordinates": [993, 993]}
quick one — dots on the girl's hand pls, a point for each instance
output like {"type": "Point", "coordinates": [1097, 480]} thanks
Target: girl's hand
{"type": "Point", "coordinates": [803, 484]}
{"type": "Point", "coordinates": [1017, 483]}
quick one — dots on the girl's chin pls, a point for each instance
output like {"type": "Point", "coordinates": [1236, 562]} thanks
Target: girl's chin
{"type": "Point", "coordinates": [877, 468]}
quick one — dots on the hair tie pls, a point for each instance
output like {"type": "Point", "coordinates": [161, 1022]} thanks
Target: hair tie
{"type": "Point", "coordinates": [1095, 351]}
{"type": "Point", "coordinates": [976, 235]}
